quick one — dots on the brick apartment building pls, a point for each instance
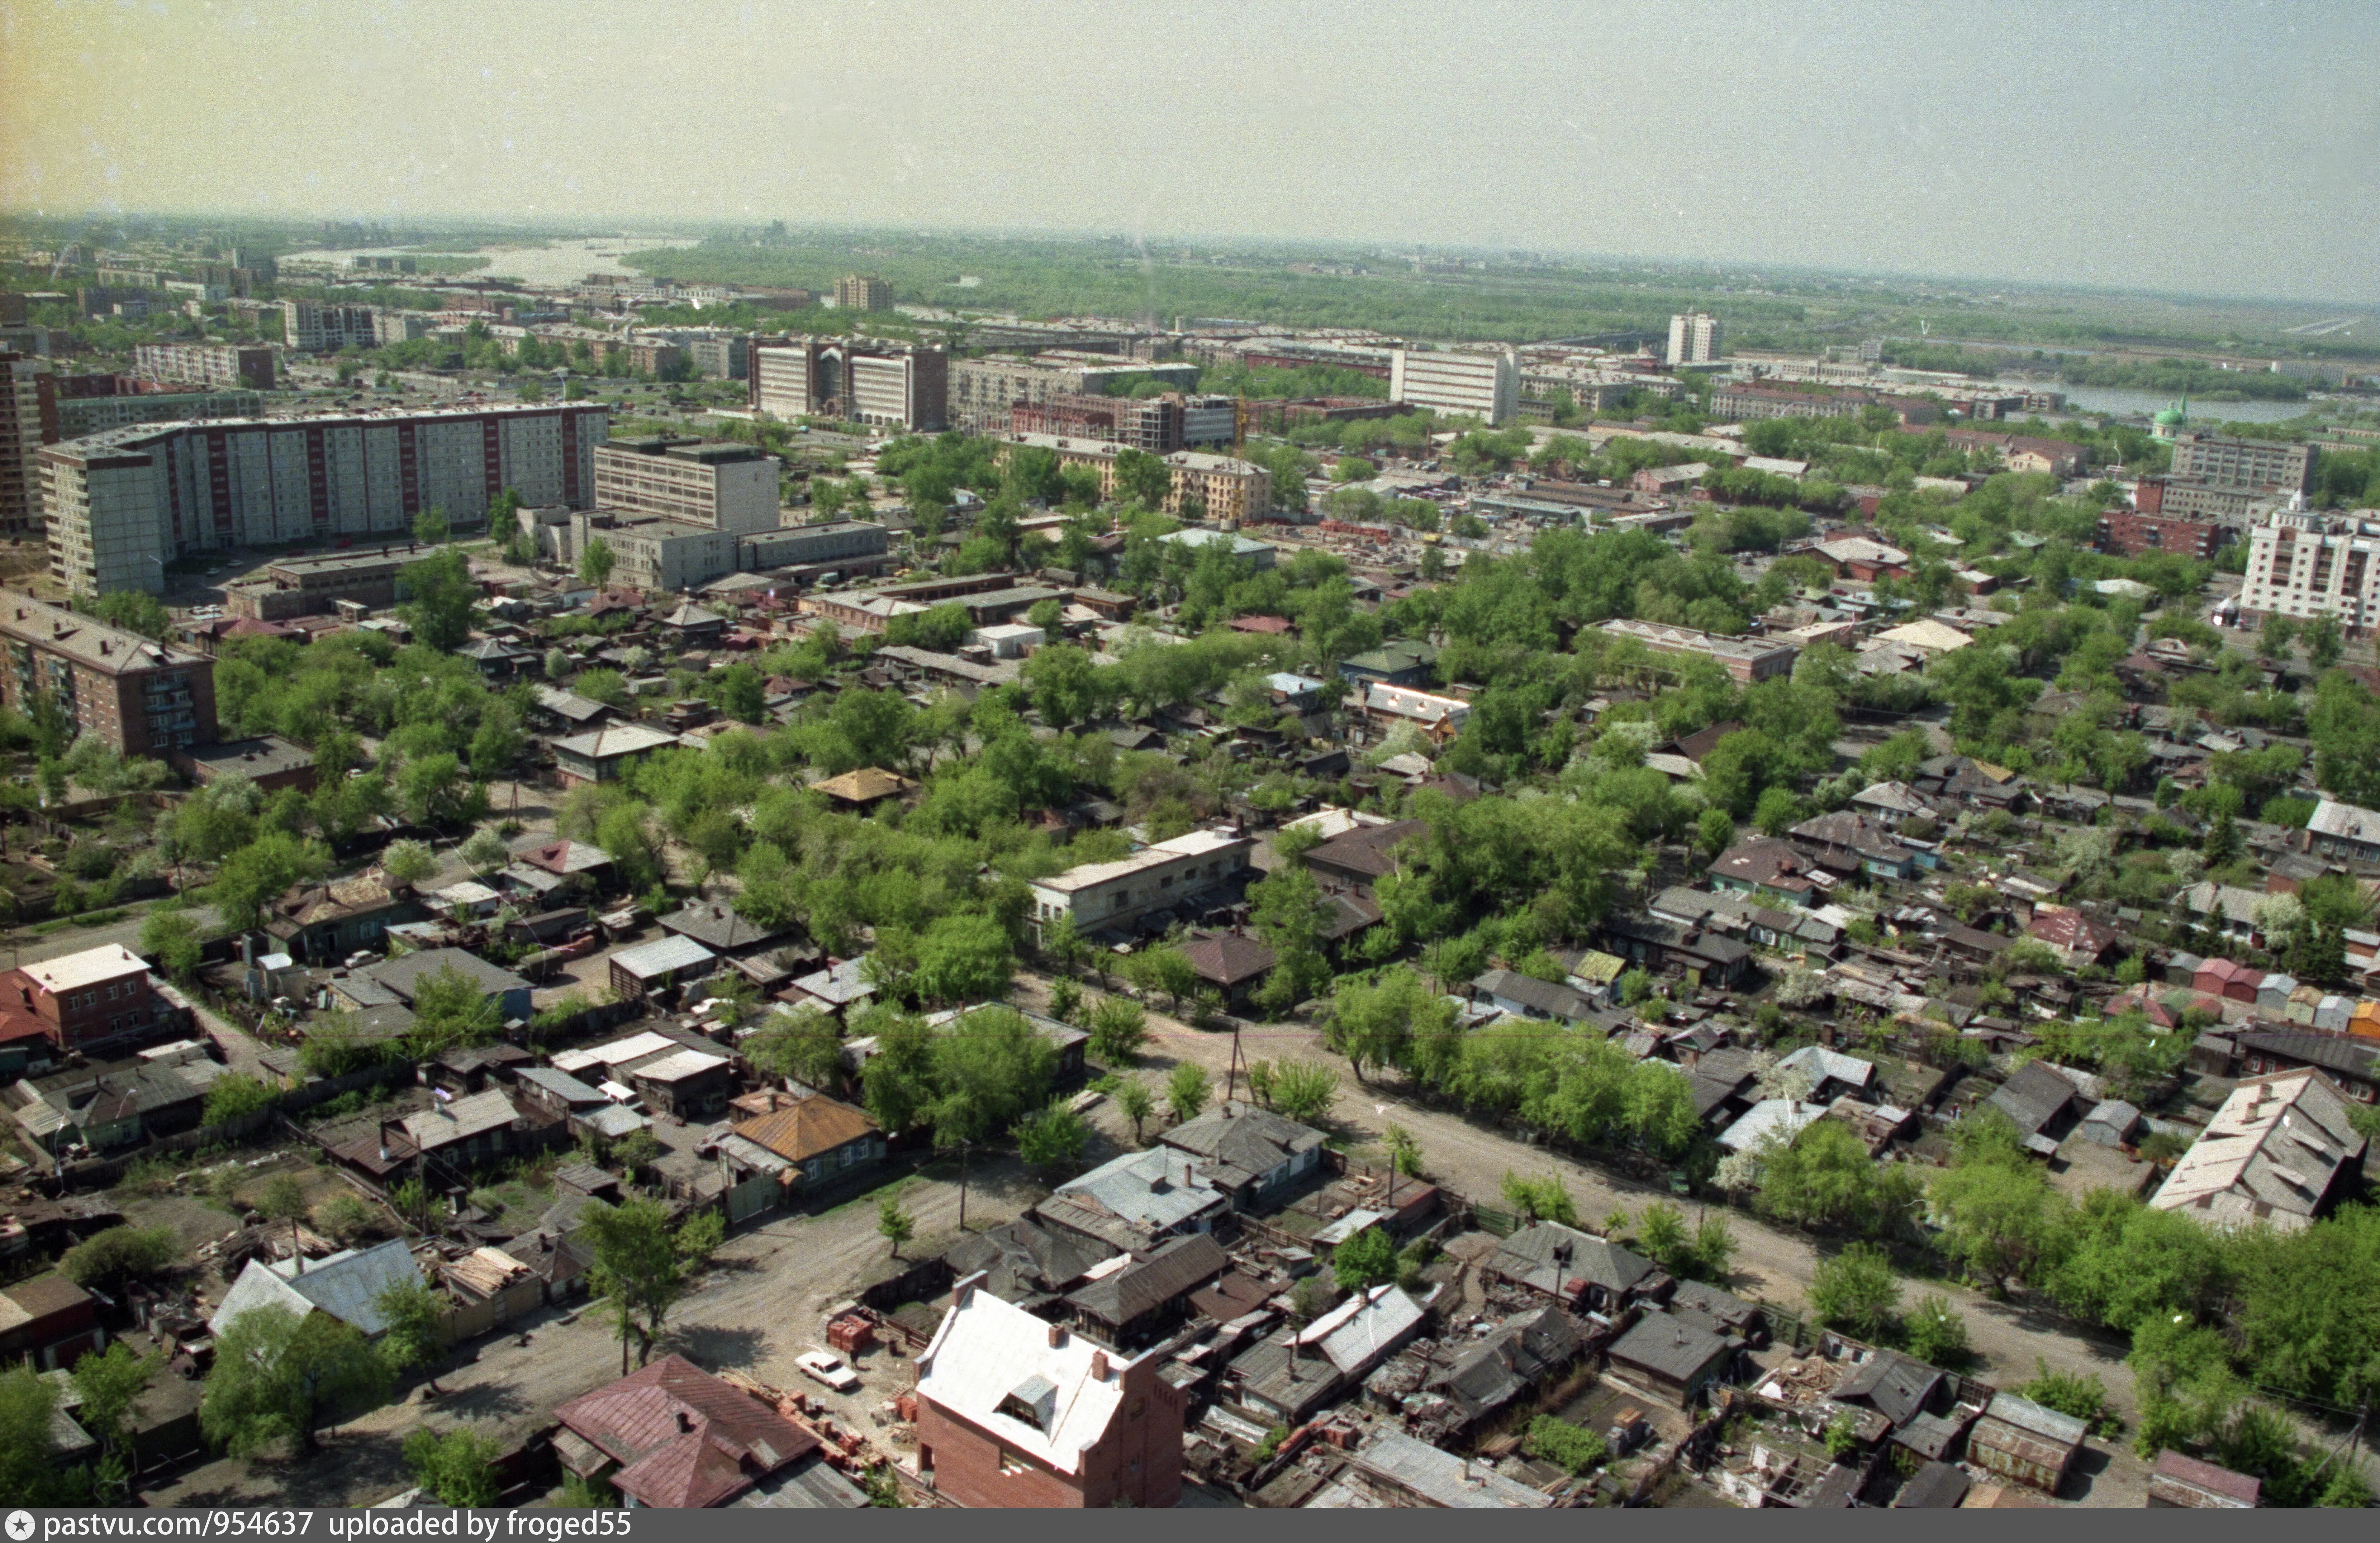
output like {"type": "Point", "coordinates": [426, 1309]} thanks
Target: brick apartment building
{"type": "Point", "coordinates": [140, 697]}
{"type": "Point", "coordinates": [2130, 532]}
{"type": "Point", "coordinates": [1013, 1412]}
{"type": "Point", "coordinates": [92, 1001]}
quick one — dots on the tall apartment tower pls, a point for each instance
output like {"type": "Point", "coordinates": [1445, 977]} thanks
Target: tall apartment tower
{"type": "Point", "coordinates": [28, 420]}
{"type": "Point", "coordinates": [2303, 565]}
{"type": "Point", "coordinates": [125, 502]}
{"type": "Point", "coordinates": [1479, 384]}
{"type": "Point", "coordinates": [1693, 339]}
{"type": "Point", "coordinates": [862, 292]}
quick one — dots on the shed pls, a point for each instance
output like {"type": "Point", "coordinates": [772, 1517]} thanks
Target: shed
{"type": "Point", "coordinates": [1935, 1487]}
{"type": "Point", "coordinates": [2185, 1483]}
{"type": "Point", "coordinates": [2112, 1123]}
{"type": "Point", "coordinates": [2020, 1439]}
{"type": "Point", "coordinates": [639, 972]}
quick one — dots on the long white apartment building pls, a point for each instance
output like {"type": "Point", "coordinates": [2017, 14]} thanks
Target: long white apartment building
{"type": "Point", "coordinates": [124, 503]}
{"type": "Point", "coordinates": [720, 484]}
{"type": "Point", "coordinates": [1101, 896]}
{"type": "Point", "coordinates": [2303, 565]}
{"type": "Point", "coordinates": [1483, 384]}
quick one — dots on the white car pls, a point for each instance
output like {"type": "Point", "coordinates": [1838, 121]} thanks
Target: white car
{"type": "Point", "coordinates": [830, 1369]}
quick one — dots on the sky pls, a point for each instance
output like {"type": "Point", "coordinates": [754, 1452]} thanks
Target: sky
{"type": "Point", "coordinates": [2204, 146]}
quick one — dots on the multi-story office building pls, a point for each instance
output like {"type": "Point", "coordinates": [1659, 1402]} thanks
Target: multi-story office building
{"type": "Point", "coordinates": [138, 697]}
{"type": "Point", "coordinates": [653, 554]}
{"type": "Point", "coordinates": [312, 327]}
{"type": "Point", "coordinates": [720, 359]}
{"type": "Point", "coordinates": [1213, 419]}
{"type": "Point", "coordinates": [216, 366]}
{"type": "Point", "coordinates": [2304, 564]}
{"type": "Point", "coordinates": [862, 292]}
{"type": "Point", "coordinates": [1222, 488]}
{"type": "Point", "coordinates": [1486, 386]}
{"type": "Point", "coordinates": [838, 541]}
{"type": "Point", "coordinates": [401, 326]}
{"type": "Point", "coordinates": [2263, 465]}
{"type": "Point", "coordinates": [878, 383]}
{"type": "Point", "coordinates": [2238, 507]}
{"type": "Point", "coordinates": [983, 391]}
{"type": "Point", "coordinates": [128, 501]}
{"type": "Point", "coordinates": [716, 483]}
{"type": "Point", "coordinates": [1694, 338]}
{"type": "Point", "coordinates": [28, 420]}
{"type": "Point", "coordinates": [79, 416]}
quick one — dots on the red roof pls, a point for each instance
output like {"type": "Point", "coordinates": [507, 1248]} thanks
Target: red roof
{"type": "Point", "coordinates": [2226, 971]}
{"type": "Point", "coordinates": [684, 1438]}
{"type": "Point", "coordinates": [1261, 624]}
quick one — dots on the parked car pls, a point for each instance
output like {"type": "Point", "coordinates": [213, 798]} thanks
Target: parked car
{"type": "Point", "coordinates": [830, 1369]}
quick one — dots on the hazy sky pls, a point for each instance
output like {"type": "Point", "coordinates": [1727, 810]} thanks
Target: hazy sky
{"type": "Point", "coordinates": [2216, 147]}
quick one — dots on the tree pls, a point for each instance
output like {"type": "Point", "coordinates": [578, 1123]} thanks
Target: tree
{"type": "Point", "coordinates": [110, 1383]}
{"type": "Point", "coordinates": [443, 593]}
{"type": "Point", "coordinates": [284, 1199]}
{"type": "Point", "coordinates": [409, 862]}
{"type": "Point", "coordinates": [29, 1474]}
{"type": "Point", "coordinates": [172, 938]}
{"type": "Point", "coordinates": [2323, 646]}
{"type": "Point", "coordinates": [1999, 1215]}
{"type": "Point", "coordinates": [805, 1045]}
{"type": "Point", "coordinates": [596, 562]}
{"type": "Point", "coordinates": [1824, 1177]}
{"type": "Point", "coordinates": [431, 527]}
{"type": "Point", "coordinates": [643, 1265]}
{"type": "Point", "coordinates": [1142, 478]}
{"type": "Point", "coordinates": [1305, 1090]}
{"type": "Point", "coordinates": [484, 851]}
{"type": "Point", "coordinates": [261, 871]}
{"type": "Point", "coordinates": [1052, 1138]}
{"type": "Point", "coordinates": [1365, 1260]}
{"type": "Point", "coordinates": [989, 1070]}
{"type": "Point", "coordinates": [1118, 1028]}
{"type": "Point", "coordinates": [451, 1011]}
{"type": "Point", "coordinates": [893, 1221]}
{"type": "Point", "coordinates": [274, 1370]}
{"type": "Point", "coordinates": [458, 1467]}
{"type": "Point", "coordinates": [964, 958]}
{"type": "Point", "coordinates": [415, 1335]}
{"type": "Point", "coordinates": [1404, 1153]}
{"type": "Point", "coordinates": [1661, 1236]}
{"type": "Point", "coordinates": [1715, 831]}
{"type": "Point", "coordinates": [1856, 1290]}
{"type": "Point", "coordinates": [1135, 1103]}
{"type": "Point", "coordinates": [1714, 1248]}
{"type": "Point", "coordinates": [1545, 1199]}
{"type": "Point", "coordinates": [109, 1260]}
{"type": "Point", "coordinates": [1186, 1091]}
{"type": "Point", "coordinates": [434, 790]}
{"type": "Point", "coordinates": [1936, 1335]}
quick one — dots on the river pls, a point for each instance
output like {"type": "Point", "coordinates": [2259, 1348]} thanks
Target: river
{"type": "Point", "coordinates": [552, 265]}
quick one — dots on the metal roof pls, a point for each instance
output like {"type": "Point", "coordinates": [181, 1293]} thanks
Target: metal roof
{"type": "Point", "coordinates": [662, 955]}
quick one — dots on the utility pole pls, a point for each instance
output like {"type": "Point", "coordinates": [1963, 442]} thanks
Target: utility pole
{"type": "Point", "coordinates": [963, 1183]}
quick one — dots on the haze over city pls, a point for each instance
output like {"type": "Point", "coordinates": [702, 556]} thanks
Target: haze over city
{"type": "Point", "coordinates": [2184, 147]}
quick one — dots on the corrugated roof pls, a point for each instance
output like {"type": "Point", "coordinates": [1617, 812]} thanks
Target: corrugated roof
{"type": "Point", "coordinates": [804, 1130]}
{"type": "Point", "coordinates": [348, 1285]}
{"type": "Point", "coordinates": [661, 956]}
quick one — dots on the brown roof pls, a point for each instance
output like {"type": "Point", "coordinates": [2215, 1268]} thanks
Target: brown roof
{"type": "Point", "coordinates": [686, 1438]}
{"type": "Point", "coordinates": [865, 785]}
{"type": "Point", "coordinates": [45, 1294]}
{"type": "Point", "coordinates": [1172, 1271]}
{"type": "Point", "coordinates": [1368, 850]}
{"type": "Point", "coordinates": [1227, 958]}
{"type": "Point", "coordinates": [802, 1131]}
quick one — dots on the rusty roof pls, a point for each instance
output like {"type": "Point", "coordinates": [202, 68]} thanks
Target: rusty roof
{"type": "Point", "coordinates": [804, 1129]}
{"type": "Point", "coordinates": [685, 1438]}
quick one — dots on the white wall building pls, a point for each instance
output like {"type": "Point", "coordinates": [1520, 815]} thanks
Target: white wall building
{"type": "Point", "coordinates": [2305, 565]}
{"type": "Point", "coordinates": [718, 483]}
{"type": "Point", "coordinates": [1694, 338]}
{"type": "Point", "coordinates": [1103, 895]}
{"type": "Point", "coordinates": [1479, 384]}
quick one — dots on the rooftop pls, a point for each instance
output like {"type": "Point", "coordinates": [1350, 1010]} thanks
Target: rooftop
{"type": "Point", "coordinates": [72, 972]}
{"type": "Point", "coordinates": [90, 643]}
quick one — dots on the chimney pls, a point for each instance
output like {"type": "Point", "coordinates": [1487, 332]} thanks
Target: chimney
{"type": "Point", "coordinates": [685, 1420]}
{"type": "Point", "coordinates": [1099, 1365]}
{"type": "Point", "coordinates": [1057, 1335]}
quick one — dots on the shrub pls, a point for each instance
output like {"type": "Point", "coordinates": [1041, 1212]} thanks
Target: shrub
{"type": "Point", "coordinates": [120, 1253]}
{"type": "Point", "coordinates": [238, 1095]}
{"type": "Point", "coordinates": [1560, 1442]}
{"type": "Point", "coordinates": [2082, 1396]}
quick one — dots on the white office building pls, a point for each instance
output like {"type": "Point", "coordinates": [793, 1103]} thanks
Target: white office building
{"type": "Point", "coordinates": [719, 483]}
{"type": "Point", "coordinates": [1484, 385]}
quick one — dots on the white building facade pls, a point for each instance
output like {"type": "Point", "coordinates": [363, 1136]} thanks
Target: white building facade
{"type": "Point", "coordinates": [1103, 896]}
{"type": "Point", "coordinates": [1478, 385]}
{"type": "Point", "coordinates": [2304, 564]}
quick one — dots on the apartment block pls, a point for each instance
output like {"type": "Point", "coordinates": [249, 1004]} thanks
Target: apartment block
{"type": "Point", "coordinates": [1486, 386]}
{"type": "Point", "coordinates": [215, 366]}
{"type": "Point", "coordinates": [80, 415]}
{"type": "Point", "coordinates": [716, 483]}
{"type": "Point", "coordinates": [2263, 465]}
{"type": "Point", "coordinates": [401, 326]}
{"type": "Point", "coordinates": [720, 359]}
{"type": "Point", "coordinates": [1748, 404]}
{"type": "Point", "coordinates": [129, 500]}
{"type": "Point", "coordinates": [2202, 501]}
{"type": "Point", "coordinates": [2304, 564]}
{"type": "Point", "coordinates": [1694, 338]}
{"type": "Point", "coordinates": [862, 292]}
{"type": "Point", "coordinates": [312, 327]}
{"type": "Point", "coordinates": [2131, 533]}
{"type": "Point", "coordinates": [1223, 489]}
{"type": "Point", "coordinates": [1745, 659]}
{"type": "Point", "coordinates": [138, 697]}
{"type": "Point", "coordinates": [28, 420]}
{"type": "Point", "coordinates": [982, 392]}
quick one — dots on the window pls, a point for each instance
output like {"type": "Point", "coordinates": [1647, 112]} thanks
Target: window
{"type": "Point", "coordinates": [1010, 1464]}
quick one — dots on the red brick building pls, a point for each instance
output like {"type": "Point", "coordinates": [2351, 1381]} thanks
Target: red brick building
{"type": "Point", "coordinates": [139, 697]}
{"type": "Point", "coordinates": [97, 998]}
{"type": "Point", "coordinates": [1015, 1412]}
{"type": "Point", "coordinates": [2130, 532]}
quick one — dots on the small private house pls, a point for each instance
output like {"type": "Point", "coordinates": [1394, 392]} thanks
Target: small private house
{"type": "Point", "coordinates": [452, 1136]}
{"type": "Point", "coordinates": [1526, 996]}
{"type": "Point", "coordinates": [346, 1284]}
{"type": "Point", "coordinates": [2019, 1439]}
{"type": "Point", "coordinates": [1576, 1268]}
{"type": "Point", "coordinates": [94, 1002]}
{"type": "Point", "coordinates": [1137, 1200]}
{"type": "Point", "coordinates": [1255, 1156]}
{"type": "Point", "coordinates": [602, 754]}
{"type": "Point", "coordinates": [324, 922]}
{"type": "Point", "coordinates": [671, 1435]}
{"type": "Point", "coordinates": [1671, 1359]}
{"type": "Point", "coordinates": [557, 873]}
{"type": "Point", "coordinates": [651, 970]}
{"type": "Point", "coordinates": [686, 1084]}
{"type": "Point", "coordinates": [403, 977]}
{"type": "Point", "coordinates": [2281, 1152]}
{"type": "Point", "coordinates": [820, 1141]}
{"type": "Point", "coordinates": [1134, 1305]}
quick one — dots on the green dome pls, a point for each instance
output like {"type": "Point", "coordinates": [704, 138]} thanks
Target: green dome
{"type": "Point", "coordinates": [2173, 417]}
